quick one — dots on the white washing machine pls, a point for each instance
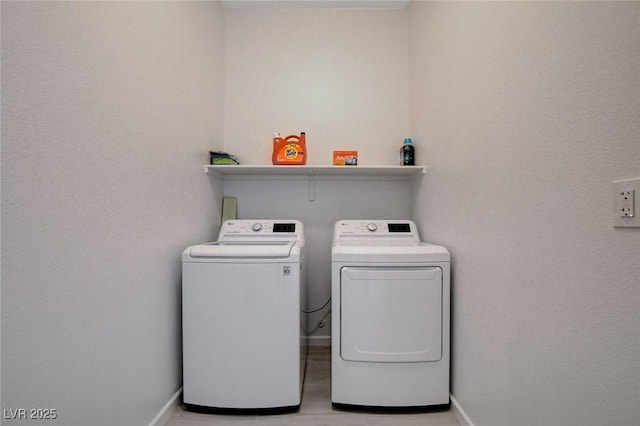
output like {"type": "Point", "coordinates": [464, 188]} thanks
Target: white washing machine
{"type": "Point", "coordinates": [244, 346]}
{"type": "Point", "coordinates": [390, 317]}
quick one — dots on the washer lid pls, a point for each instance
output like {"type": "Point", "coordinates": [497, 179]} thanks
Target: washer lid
{"type": "Point", "coordinates": [245, 250]}
{"type": "Point", "coordinates": [421, 252]}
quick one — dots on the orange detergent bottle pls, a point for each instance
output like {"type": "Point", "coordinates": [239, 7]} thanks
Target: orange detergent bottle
{"type": "Point", "coordinates": [291, 151]}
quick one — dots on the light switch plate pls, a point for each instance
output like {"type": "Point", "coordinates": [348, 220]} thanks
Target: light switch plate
{"type": "Point", "coordinates": [626, 212]}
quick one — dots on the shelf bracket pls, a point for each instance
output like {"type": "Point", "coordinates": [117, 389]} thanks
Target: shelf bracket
{"type": "Point", "coordinates": [312, 188]}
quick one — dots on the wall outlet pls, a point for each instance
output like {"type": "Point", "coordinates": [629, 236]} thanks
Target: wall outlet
{"type": "Point", "coordinates": [625, 208]}
{"type": "Point", "coordinates": [626, 203]}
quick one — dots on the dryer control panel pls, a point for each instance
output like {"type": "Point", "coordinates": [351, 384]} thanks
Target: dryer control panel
{"type": "Point", "coordinates": [401, 229]}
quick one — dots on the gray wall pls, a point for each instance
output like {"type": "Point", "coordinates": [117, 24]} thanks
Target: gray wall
{"type": "Point", "coordinates": [341, 75]}
{"type": "Point", "coordinates": [527, 112]}
{"type": "Point", "coordinates": [108, 111]}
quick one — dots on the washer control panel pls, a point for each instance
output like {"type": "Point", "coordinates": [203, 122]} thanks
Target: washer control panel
{"type": "Point", "coordinates": [253, 227]}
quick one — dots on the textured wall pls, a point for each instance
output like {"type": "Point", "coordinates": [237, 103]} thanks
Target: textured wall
{"type": "Point", "coordinates": [340, 75]}
{"type": "Point", "coordinates": [108, 110]}
{"type": "Point", "coordinates": [526, 112]}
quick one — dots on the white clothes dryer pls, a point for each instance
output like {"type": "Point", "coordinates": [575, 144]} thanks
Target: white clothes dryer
{"type": "Point", "coordinates": [243, 298]}
{"type": "Point", "coordinates": [390, 317]}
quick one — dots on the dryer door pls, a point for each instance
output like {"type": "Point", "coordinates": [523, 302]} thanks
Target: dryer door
{"type": "Point", "coordinates": [391, 314]}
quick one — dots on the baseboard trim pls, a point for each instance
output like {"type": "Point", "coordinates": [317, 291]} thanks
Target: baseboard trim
{"type": "Point", "coordinates": [459, 412]}
{"type": "Point", "coordinates": [319, 340]}
{"type": "Point", "coordinates": [167, 410]}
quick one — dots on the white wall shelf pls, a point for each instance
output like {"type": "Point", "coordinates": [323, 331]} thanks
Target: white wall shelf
{"type": "Point", "coordinates": [269, 171]}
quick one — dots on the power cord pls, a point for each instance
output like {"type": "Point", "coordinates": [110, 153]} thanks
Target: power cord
{"type": "Point", "coordinates": [316, 310]}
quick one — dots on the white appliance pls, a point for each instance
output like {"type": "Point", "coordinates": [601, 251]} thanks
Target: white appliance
{"type": "Point", "coordinates": [244, 346]}
{"type": "Point", "coordinates": [390, 317]}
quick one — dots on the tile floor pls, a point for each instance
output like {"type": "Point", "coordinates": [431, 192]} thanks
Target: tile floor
{"type": "Point", "coordinates": [316, 409]}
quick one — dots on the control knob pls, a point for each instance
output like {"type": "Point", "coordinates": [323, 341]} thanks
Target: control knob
{"type": "Point", "coordinates": [372, 227]}
{"type": "Point", "coordinates": [256, 227]}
